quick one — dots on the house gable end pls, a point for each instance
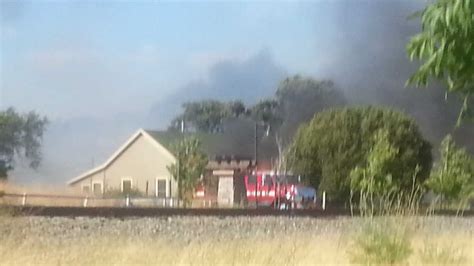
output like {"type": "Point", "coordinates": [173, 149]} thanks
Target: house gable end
{"type": "Point", "coordinates": [123, 149]}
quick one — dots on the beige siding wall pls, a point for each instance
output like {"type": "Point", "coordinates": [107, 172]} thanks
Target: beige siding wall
{"type": "Point", "coordinates": [143, 161]}
{"type": "Point", "coordinates": [94, 178]}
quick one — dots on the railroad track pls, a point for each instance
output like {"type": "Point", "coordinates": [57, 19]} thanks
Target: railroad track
{"type": "Point", "coordinates": [120, 212]}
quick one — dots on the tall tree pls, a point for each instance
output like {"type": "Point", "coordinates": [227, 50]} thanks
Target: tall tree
{"type": "Point", "coordinates": [20, 137]}
{"type": "Point", "coordinates": [208, 115]}
{"type": "Point", "coordinates": [190, 165]}
{"type": "Point", "coordinates": [446, 49]}
{"type": "Point", "coordinates": [267, 112]}
{"type": "Point", "coordinates": [337, 141]}
{"type": "Point", "coordinates": [296, 101]}
{"type": "Point", "coordinates": [300, 98]}
{"type": "Point", "coordinates": [237, 109]}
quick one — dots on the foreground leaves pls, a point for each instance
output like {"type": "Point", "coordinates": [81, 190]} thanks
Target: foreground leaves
{"type": "Point", "coordinates": [446, 49]}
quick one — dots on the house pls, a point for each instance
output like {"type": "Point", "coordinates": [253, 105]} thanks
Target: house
{"type": "Point", "coordinates": [141, 164]}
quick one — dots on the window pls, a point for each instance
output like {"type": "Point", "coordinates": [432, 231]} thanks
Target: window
{"type": "Point", "coordinates": [126, 185]}
{"type": "Point", "coordinates": [161, 188]}
{"type": "Point", "coordinates": [97, 188]}
{"type": "Point", "coordinates": [85, 189]}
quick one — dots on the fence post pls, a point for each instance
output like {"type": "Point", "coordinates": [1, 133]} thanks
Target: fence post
{"type": "Point", "coordinates": [24, 199]}
{"type": "Point", "coordinates": [85, 202]}
{"type": "Point", "coordinates": [127, 201]}
{"type": "Point", "coordinates": [324, 200]}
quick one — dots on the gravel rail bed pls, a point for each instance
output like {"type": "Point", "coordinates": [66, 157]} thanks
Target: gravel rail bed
{"type": "Point", "coordinates": [168, 212]}
{"type": "Point", "coordinates": [187, 229]}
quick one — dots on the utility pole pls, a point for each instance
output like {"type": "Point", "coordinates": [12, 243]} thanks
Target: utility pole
{"type": "Point", "coordinates": [256, 165]}
{"type": "Point", "coordinates": [267, 132]}
{"type": "Point", "coordinates": [256, 145]}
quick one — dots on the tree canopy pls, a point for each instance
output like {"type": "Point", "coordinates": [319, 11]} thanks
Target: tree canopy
{"type": "Point", "coordinates": [267, 112]}
{"type": "Point", "coordinates": [296, 101]}
{"type": "Point", "coordinates": [337, 141]}
{"type": "Point", "coordinates": [300, 98]}
{"type": "Point", "coordinates": [446, 49]}
{"type": "Point", "coordinates": [20, 137]}
{"type": "Point", "coordinates": [208, 115]}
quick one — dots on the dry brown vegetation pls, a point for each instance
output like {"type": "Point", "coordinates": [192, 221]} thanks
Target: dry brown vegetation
{"type": "Point", "coordinates": [13, 188]}
{"type": "Point", "coordinates": [214, 241]}
{"type": "Point", "coordinates": [39, 189]}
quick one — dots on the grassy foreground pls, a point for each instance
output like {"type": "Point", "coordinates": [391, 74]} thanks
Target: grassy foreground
{"type": "Point", "coordinates": [450, 245]}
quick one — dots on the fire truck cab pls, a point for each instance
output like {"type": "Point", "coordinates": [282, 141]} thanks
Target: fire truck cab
{"type": "Point", "coordinates": [266, 189]}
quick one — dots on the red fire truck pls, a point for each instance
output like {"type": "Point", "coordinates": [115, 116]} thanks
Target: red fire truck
{"type": "Point", "coordinates": [278, 191]}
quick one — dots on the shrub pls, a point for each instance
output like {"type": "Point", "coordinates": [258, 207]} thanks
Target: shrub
{"type": "Point", "coordinates": [117, 193]}
{"type": "Point", "coordinates": [377, 190]}
{"type": "Point", "coordinates": [453, 177]}
{"type": "Point", "coordinates": [337, 141]}
{"type": "Point", "coordinates": [381, 243]}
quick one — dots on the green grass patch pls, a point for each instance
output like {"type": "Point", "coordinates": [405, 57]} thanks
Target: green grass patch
{"type": "Point", "coordinates": [381, 242]}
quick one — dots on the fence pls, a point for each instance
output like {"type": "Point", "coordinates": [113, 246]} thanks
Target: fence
{"type": "Point", "coordinates": [26, 199]}
{"type": "Point", "coordinates": [50, 200]}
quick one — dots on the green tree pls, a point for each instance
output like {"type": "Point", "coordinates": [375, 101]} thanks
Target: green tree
{"type": "Point", "coordinates": [267, 113]}
{"type": "Point", "coordinates": [296, 101]}
{"type": "Point", "coordinates": [20, 137]}
{"type": "Point", "coordinates": [237, 109]}
{"type": "Point", "coordinates": [453, 177]}
{"type": "Point", "coordinates": [446, 49]}
{"type": "Point", "coordinates": [190, 165]}
{"type": "Point", "coordinates": [300, 98]}
{"type": "Point", "coordinates": [208, 115]}
{"type": "Point", "coordinates": [337, 141]}
{"type": "Point", "coordinates": [373, 182]}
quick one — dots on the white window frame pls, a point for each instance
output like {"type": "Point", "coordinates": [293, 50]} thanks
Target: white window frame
{"type": "Point", "coordinates": [126, 179]}
{"type": "Point", "coordinates": [101, 186]}
{"type": "Point", "coordinates": [86, 185]}
{"type": "Point", "coordinates": [167, 191]}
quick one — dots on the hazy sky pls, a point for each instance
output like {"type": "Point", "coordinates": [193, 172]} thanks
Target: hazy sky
{"type": "Point", "coordinates": [97, 58]}
{"type": "Point", "coordinates": [102, 69]}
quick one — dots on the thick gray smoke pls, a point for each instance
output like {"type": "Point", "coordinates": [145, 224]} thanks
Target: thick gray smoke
{"type": "Point", "coordinates": [250, 80]}
{"type": "Point", "coordinates": [363, 53]}
{"type": "Point", "coordinates": [362, 49]}
{"type": "Point", "coordinates": [368, 60]}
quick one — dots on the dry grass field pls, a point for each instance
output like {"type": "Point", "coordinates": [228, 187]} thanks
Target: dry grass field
{"type": "Point", "coordinates": [8, 187]}
{"type": "Point", "coordinates": [71, 197]}
{"type": "Point", "coordinates": [225, 241]}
